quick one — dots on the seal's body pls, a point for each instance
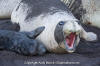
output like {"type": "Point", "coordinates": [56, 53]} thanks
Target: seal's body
{"type": "Point", "coordinates": [62, 31]}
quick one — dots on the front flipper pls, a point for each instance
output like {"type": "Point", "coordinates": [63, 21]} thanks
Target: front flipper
{"type": "Point", "coordinates": [20, 43]}
{"type": "Point", "coordinates": [88, 36]}
{"type": "Point", "coordinates": [35, 33]}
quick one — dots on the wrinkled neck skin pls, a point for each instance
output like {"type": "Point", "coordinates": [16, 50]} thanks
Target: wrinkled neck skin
{"type": "Point", "coordinates": [50, 22]}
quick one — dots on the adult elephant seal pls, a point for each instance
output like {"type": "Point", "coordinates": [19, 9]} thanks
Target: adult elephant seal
{"type": "Point", "coordinates": [62, 31]}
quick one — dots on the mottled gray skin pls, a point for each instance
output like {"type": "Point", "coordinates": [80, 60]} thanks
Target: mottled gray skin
{"type": "Point", "coordinates": [38, 7]}
{"type": "Point", "coordinates": [21, 42]}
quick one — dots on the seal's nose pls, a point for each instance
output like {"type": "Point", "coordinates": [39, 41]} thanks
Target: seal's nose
{"type": "Point", "coordinates": [71, 27]}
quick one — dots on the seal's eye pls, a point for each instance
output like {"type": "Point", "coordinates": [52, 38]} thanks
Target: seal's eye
{"type": "Point", "coordinates": [61, 23]}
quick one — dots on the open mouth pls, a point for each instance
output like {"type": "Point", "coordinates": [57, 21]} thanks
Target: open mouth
{"type": "Point", "coordinates": [70, 42]}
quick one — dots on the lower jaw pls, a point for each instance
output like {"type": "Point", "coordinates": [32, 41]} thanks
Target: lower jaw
{"type": "Point", "coordinates": [58, 50]}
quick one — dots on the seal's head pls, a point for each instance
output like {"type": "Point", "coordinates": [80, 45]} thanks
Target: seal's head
{"type": "Point", "coordinates": [61, 33]}
{"type": "Point", "coordinates": [67, 34]}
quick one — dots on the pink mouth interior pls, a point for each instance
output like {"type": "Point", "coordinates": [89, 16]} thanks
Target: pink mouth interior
{"type": "Point", "coordinates": [70, 39]}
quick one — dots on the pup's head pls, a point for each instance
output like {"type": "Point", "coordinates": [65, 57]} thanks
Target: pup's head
{"type": "Point", "coordinates": [67, 34]}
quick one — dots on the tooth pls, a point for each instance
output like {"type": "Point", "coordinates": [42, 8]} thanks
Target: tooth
{"type": "Point", "coordinates": [78, 32]}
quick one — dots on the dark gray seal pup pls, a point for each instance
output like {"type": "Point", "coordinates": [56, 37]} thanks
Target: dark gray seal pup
{"type": "Point", "coordinates": [22, 42]}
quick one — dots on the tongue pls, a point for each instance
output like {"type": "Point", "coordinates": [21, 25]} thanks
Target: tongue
{"type": "Point", "coordinates": [70, 39]}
